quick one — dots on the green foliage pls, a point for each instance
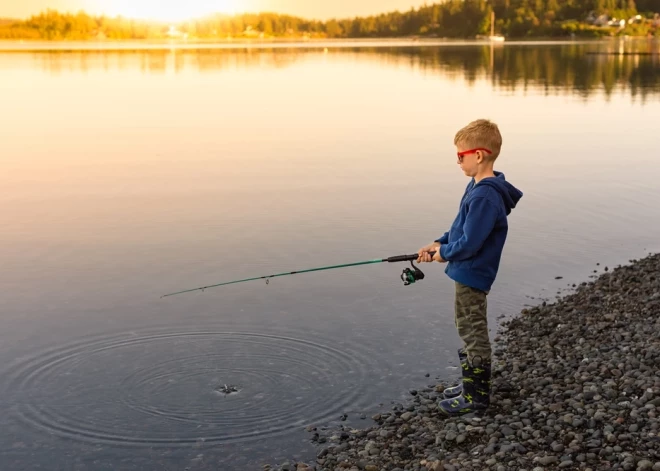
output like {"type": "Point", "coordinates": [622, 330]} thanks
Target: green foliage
{"type": "Point", "coordinates": [450, 18]}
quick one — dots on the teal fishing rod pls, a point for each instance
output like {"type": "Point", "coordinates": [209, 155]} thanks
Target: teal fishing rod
{"type": "Point", "coordinates": [408, 276]}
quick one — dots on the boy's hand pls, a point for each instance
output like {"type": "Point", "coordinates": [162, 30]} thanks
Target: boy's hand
{"type": "Point", "coordinates": [425, 257]}
{"type": "Point", "coordinates": [437, 257]}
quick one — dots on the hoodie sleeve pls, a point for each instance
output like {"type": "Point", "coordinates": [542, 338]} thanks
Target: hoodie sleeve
{"type": "Point", "coordinates": [444, 239]}
{"type": "Point", "coordinates": [479, 222]}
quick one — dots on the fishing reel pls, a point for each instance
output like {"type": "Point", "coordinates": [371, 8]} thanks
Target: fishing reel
{"type": "Point", "coordinates": [411, 276]}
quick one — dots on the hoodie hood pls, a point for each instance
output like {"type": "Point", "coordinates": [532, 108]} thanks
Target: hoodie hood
{"type": "Point", "coordinates": [510, 194]}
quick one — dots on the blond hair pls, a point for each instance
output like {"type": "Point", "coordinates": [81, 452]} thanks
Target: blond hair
{"type": "Point", "coordinates": [481, 133]}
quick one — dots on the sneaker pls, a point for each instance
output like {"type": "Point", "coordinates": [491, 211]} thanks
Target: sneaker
{"type": "Point", "coordinates": [455, 391]}
{"type": "Point", "coordinates": [476, 391]}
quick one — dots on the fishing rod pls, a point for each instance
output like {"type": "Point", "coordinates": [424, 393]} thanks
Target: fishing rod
{"type": "Point", "coordinates": [408, 276]}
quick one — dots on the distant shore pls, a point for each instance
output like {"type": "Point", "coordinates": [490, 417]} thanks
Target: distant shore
{"type": "Point", "coordinates": [459, 20]}
{"type": "Point", "coordinates": [8, 45]}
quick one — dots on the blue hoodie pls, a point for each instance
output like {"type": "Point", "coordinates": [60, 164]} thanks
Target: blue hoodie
{"type": "Point", "coordinates": [473, 246]}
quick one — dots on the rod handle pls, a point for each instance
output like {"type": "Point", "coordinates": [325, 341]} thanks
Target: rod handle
{"type": "Point", "coordinates": [406, 258]}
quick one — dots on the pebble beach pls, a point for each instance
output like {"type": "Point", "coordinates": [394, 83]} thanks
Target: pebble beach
{"type": "Point", "coordinates": [575, 386]}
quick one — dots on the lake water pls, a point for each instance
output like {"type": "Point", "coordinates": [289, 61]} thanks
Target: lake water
{"type": "Point", "coordinates": [128, 174]}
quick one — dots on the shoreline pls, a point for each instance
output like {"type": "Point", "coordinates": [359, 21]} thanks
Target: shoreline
{"type": "Point", "coordinates": [320, 45]}
{"type": "Point", "coordinates": [576, 385]}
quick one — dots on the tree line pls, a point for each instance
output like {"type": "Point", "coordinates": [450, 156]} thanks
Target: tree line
{"type": "Point", "coordinates": [450, 18]}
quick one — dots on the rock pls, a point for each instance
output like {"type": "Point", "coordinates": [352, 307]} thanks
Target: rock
{"type": "Point", "coordinates": [546, 460]}
{"type": "Point", "coordinates": [406, 416]}
{"type": "Point", "coordinates": [507, 431]}
{"type": "Point", "coordinates": [644, 465]}
{"type": "Point", "coordinates": [507, 448]}
{"type": "Point", "coordinates": [460, 439]}
{"type": "Point", "coordinates": [557, 447]}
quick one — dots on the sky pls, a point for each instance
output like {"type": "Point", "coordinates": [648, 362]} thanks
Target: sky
{"type": "Point", "coordinates": [172, 10]}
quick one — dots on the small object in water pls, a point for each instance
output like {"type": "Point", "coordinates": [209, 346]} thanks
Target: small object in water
{"type": "Point", "coordinates": [343, 417]}
{"type": "Point", "coordinates": [228, 389]}
{"type": "Point", "coordinates": [558, 277]}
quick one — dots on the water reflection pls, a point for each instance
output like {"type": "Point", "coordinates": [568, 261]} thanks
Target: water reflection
{"type": "Point", "coordinates": [630, 67]}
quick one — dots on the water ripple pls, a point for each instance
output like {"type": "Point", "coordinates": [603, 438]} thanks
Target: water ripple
{"type": "Point", "coordinates": [162, 389]}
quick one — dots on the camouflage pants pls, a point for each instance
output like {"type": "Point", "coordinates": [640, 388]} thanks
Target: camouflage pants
{"type": "Point", "coordinates": [472, 322]}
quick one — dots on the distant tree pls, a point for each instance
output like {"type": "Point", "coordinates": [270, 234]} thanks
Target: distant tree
{"type": "Point", "coordinates": [449, 18]}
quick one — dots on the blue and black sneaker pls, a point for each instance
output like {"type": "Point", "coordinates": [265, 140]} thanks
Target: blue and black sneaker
{"type": "Point", "coordinates": [455, 391]}
{"type": "Point", "coordinates": [476, 390]}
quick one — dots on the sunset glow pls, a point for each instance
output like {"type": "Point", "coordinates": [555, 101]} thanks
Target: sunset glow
{"type": "Point", "coordinates": [173, 10]}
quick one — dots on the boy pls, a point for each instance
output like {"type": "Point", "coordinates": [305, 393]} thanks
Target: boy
{"type": "Point", "coordinates": [473, 248]}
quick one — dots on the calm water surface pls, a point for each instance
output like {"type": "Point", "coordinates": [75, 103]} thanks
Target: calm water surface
{"type": "Point", "coordinates": [130, 174]}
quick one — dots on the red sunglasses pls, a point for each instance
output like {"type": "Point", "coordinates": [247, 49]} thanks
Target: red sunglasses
{"type": "Point", "coordinates": [471, 151]}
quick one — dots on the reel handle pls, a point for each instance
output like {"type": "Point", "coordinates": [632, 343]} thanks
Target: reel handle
{"type": "Point", "coordinates": [406, 258]}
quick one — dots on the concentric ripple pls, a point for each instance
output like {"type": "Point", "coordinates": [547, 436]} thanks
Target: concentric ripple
{"type": "Point", "coordinates": [164, 389]}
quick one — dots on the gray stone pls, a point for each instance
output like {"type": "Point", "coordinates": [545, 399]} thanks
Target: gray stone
{"type": "Point", "coordinates": [546, 460]}
{"type": "Point", "coordinates": [507, 431]}
{"type": "Point", "coordinates": [507, 448]}
{"type": "Point", "coordinates": [406, 416]}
